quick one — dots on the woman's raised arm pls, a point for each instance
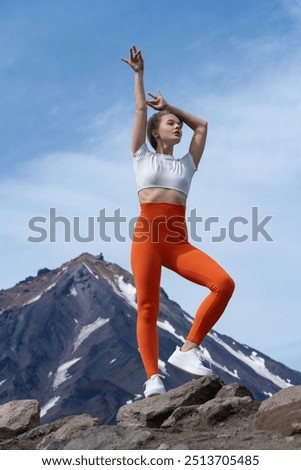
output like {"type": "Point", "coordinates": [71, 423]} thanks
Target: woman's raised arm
{"type": "Point", "coordinates": [197, 124]}
{"type": "Point", "coordinates": [139, 127]}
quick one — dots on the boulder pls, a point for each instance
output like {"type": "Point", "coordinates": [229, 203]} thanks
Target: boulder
{"type": "Point", "coordinates": [70, 428]}
{"type": "Point", "coordinates": [110, 438]}
{"type": "Point", "coordinates": [282, 412]}
{"type": "Point", "coordinates": [18, 416]}
{"type": "Point", "coordinates": [153, 411]}
{"type": "Point", "coordinates": [214, 411]}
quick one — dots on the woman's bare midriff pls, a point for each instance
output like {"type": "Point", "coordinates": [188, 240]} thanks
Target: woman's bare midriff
{"type": "Point", "coordinates": [170, 196]}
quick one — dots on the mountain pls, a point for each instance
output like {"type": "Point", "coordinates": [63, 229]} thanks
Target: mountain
{"type": "Point", "coordinates": [68, 340]}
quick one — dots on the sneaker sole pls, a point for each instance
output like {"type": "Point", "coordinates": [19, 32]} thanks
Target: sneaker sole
{"type": "Point", "coordinates": [190, 371]}
{"type": "Point", "coordinates": [154, 394]}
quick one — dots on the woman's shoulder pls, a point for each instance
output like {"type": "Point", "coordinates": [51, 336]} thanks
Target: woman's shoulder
{"type": "Point", "coordinates": [142, 151]}
{"type": "Point", "coordinates": [188, 160]}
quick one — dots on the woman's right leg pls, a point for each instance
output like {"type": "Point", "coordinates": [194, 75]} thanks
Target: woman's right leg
{"type": "Point", "coordinates": [146, 267]}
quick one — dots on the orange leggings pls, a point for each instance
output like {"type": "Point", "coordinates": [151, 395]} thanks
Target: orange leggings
{"type": "Point", "coordinates": [160, 239]}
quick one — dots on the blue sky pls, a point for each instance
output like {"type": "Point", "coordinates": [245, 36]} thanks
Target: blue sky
{"type": "Point", "coordinates": [66, 113]}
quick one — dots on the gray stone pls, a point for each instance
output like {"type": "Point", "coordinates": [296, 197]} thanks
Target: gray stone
{"type": "Point", "coordinates": [234, 390]}
{"type": "Point", "coordinates": [181, 446]}
{"type": "Point", "coordinates": [109, 438]}
{"type": "Point", "coordinates": [218, 410]}
{"type": "Point", "coordinates": [282, 412]}
{"type": "Point", "coordinates": [18, 416]}
{"type": "Point", "coordinates": [70, 428]}
{"type": "Point", "coordinates": [210, 413]}
{"type": "Point", "coordinates": [187, 413]}
{"type": "Point", "coordinates": [153, 411]}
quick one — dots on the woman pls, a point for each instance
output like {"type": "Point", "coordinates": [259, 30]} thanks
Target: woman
{"type": "Point", "coordinates": [160, 235]}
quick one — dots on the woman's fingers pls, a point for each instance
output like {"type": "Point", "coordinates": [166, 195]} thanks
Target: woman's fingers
{"type": "Point", "coordinates": [134, 55]}
{"type": "Point", "coordinates": [156, 97]}
{"type": "Point", "coordinates": [134, 52]}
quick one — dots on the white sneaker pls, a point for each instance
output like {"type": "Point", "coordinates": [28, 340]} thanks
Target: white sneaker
{"type": "Point", "coordinates": [191, 361]}
{"type": "Point", "coordinates": [154, 386]}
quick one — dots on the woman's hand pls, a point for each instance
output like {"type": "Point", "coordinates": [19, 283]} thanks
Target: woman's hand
{"type": "Point", "coordinates": [135, 61]}
{"type": "Point", "coordinates": [158, 102]}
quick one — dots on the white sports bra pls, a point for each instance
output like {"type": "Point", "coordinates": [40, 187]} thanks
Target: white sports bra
{"type": "Point", "coordinates": [154, 170]}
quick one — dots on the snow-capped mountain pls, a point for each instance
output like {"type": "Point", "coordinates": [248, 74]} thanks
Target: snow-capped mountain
{"type": "Point", "coordinates": [68, 339]}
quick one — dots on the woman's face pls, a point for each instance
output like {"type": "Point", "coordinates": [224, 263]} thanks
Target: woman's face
{"type": "Point", "coordinates": [170, 129]}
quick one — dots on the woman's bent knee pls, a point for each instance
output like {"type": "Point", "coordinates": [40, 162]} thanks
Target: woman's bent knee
{"type": "Point", "coordinates": [228, 285]}
{"type": "Point", "coordinates": [225, 286]}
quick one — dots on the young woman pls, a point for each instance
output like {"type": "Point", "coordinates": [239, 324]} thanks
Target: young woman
{"type": "Point", "coordinates": [160, 235]}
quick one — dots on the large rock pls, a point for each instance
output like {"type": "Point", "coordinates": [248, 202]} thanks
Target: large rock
{"type": "Point", "coordinates": [281, 412]}
{"type": "Point", "coordinates": [110, 438]}
{"type": "Point", "coordinates": [52, 436]}
{"type": "Point", "coordinates": [18, 416]}
{"type": "Point", "coordinates": [229, 400]}
{"type": "Point", "coordinates": [153, 411]}
{"type": "Point", "coordinates": [71, 428]}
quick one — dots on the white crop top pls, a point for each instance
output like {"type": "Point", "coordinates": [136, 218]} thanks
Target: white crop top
{"type": "Point", "coordinates": [154, 170]}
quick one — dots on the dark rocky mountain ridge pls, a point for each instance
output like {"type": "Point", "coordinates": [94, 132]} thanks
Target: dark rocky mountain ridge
{"type": "Point", "coordinates": [67, 340]}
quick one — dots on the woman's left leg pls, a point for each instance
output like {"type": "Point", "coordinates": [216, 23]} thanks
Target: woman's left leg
{"type": "Point", "coordinates": [198, 267]}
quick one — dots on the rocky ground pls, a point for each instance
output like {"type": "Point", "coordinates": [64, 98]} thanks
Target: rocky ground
{"type": "Point", "coordinates": [201, 414]}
